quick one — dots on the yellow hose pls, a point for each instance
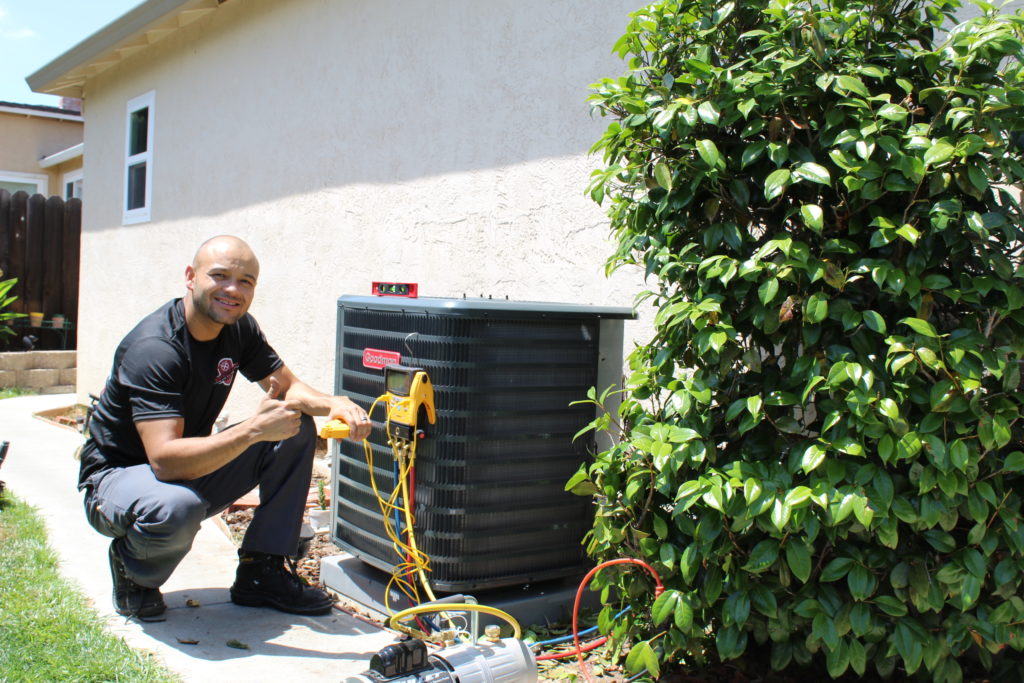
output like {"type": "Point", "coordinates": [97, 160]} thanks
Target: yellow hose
{"type": "Point", "coordinates": [409, 526]}
{"type": "Point", "coordinates": [418, 562]}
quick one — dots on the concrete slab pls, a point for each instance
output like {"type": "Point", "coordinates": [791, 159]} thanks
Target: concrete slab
{"type": "Point", "coordinates": [538, 603]}
{"type": "Point", "coordinates": [40, 469]}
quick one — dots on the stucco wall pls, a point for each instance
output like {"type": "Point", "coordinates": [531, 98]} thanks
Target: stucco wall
{"type": "Point", "coordinates": [441, 142]}
{"type": "Point", "coordinates": [25, 139]}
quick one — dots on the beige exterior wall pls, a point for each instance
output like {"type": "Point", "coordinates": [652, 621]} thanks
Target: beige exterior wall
{"type": "Point", "coordinates": [60, 172]}
{"type": "Point", "coordinates": [26, 138]}
{"type": "Point", "coordinates": [442, 142]}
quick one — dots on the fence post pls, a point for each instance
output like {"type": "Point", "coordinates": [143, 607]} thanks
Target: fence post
{"type": "Point", "coordinates": [5, 231]}
{"type": "Point", "coordinates": [35, 252]}
{"type": "Point", "coordinates": [53, 254]}
{"type": "Point", "coordinates": [16, 244]}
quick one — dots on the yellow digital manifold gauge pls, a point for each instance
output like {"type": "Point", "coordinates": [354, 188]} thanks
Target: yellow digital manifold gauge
{"type": "Point", "coordinates": [407, 390]}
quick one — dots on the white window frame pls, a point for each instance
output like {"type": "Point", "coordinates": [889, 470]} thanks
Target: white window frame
{"type": "Point", "coordinates": [42, 182]}
{"type": "Point", "coordinates": [70, 177]}
{"type": "Point", "coordinates": [145, 101]}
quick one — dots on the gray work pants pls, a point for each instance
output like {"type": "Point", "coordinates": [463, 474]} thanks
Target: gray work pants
{"type": "Point", "coordinates": [156, 521]}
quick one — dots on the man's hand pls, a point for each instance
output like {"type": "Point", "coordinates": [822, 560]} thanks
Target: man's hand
{"type": "Point", "coordinates": [302, 397]}
{"type": "Point", "coordinates": [276, 420]}
{"type": "Point", "coordinates": [358, 421]}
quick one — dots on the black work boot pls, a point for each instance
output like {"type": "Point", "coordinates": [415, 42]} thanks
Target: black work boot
{"type": "Point", "coordinates": [264, 580]}
{"type": "Point", "coordinates": [131, 599]}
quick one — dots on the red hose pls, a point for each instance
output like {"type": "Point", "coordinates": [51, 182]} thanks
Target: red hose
{"type": "Point", "coordinates": [659, 588]}
{"type": "Point", "coordinates": [408, 556]}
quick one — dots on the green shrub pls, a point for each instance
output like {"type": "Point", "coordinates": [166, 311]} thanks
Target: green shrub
{"type": "Point", "coordinates": [820, 442]}
{"type": "Point", "coordinates": [6, 299]}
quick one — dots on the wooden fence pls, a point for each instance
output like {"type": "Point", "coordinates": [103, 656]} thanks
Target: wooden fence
{"type": "Point", "coordinates": [39, 244]}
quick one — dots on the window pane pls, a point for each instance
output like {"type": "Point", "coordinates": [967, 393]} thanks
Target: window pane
{"type": "Point", "coordinates": [13, 187]}
{"type": "Point", "coordinates": [137, 186]}
{"type": "Point", "coordinates": [138, 142]}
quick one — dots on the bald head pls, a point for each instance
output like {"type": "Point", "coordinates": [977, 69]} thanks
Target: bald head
{"type": "Point", "coordinates": [225, 247]}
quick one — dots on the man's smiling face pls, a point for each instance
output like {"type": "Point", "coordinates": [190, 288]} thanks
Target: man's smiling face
{"type": "Point", "coordinates": [222, 281]}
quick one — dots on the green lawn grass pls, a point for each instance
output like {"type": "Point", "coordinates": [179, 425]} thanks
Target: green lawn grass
{"type": "Point", "coordinates": [11, 392]}
{"type": "Point", "coordinates": [47, 631]}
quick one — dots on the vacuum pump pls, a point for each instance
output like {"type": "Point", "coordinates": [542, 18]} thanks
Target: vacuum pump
{"type": "Point", "coordinates": [504, 660]}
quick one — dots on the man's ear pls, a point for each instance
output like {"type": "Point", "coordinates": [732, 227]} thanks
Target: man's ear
{"type": "Point", "coordinates": [190, 276]}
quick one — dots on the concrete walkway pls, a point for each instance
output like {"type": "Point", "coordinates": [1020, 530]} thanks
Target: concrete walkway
{"type": "Point", "coordinates": [40, 469]}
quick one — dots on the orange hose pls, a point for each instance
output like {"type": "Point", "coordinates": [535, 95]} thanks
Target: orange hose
{"type": "Point", "coordinates": [593, 645]}
{"type": "Point", "coordinates": [659, 588]}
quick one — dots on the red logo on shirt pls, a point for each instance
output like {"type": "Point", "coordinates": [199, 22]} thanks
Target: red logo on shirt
{"type": "Point", "coordinates": [225, 372]}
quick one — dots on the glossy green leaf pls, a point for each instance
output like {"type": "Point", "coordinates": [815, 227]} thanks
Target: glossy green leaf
{"type": "Point", "coordinates": [776, 183]}
{"type": "Point", "coordinates": [838, 660]}
{"type": "Point", "coordinates": [709, 113]}
{"type": "Point", "coordinates": [708, 152]}
{"type": "Point", "coordinates": [920, 326]}
{"type": "Point", "coordinates": [836, 569]}
{"type": "Point", "coordinates": [874, 321]}
{"type": "Point", "coordinates": [816, 308]}
{"type": "Point", "coordinates": [663, 174]}
{"type": "Point", "coordinates": [812, 458]}
{"type": "Point", "coordinates": [763, 556]}
{"type": "Point", "coordinates": [893, 112]}
{"type": "Point", "coordinates": [580, 484]}
{"type": "Point", "coordinates": [860, 619]}
{"type": "Point", "coordinates": [853, 84]}
{"type": "Point", "coordinates": [768, 290]}
{"type": "Point", "coordinates": [642, 657]}
{"type": "Point", "coordinates": [664, 606]}
{"type": "Point", "coordinates": [889, 408]}
{"type": "Point", "coordinates": [1014, 462]}
{"type": "Point", "coordinates": [683, 615]}
{"type": "Point", "coordinates": [781, 514]}
{"type": "Point", "coordinates": [861, 582]}
{"type": "Point", "coordinates": [813, 216]}
{"type": "Point", "coordinates": [752, 152]}
{"type": "Point", "coordinates": [799, 560]}
{"type": "Point", "coordinates": [890, 605]}
{"type": "Point", "coordinates": [938, 154]}
{"type": "Point", "coordinates": [816, 173]}
{"type": "Point", "coordinates": [824, 629]}
{"type": "Point", "coordinates": [730, 642]}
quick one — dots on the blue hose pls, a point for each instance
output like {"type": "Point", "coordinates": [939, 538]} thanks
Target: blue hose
{"type": "Point", "coordinates": [584, 632]}
{"type": "Point", "coordinates": [398, 518]}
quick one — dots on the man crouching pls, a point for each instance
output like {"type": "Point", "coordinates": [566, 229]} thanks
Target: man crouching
{"type": "Point", "coordinates": [152, 471]}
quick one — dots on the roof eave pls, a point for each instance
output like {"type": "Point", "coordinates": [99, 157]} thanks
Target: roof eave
{"type": "Point", "coordinates": [73, 152]}
{"type": "Point", "coordinates": [133, 31]}
{"type": "Point", "coordinates": [40, 112]}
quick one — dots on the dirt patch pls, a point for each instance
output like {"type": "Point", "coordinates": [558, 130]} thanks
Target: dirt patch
{"type": "Point", "coordinates": [70, 417]}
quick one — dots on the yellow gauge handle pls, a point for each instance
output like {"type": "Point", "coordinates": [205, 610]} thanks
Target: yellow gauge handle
{"type": "Point", "coordinates": [335, 429]}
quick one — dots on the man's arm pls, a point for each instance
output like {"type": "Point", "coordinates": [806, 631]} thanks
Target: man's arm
{"type": "Point", "coordinates": [313, 402]}
{"type": "Point", "coordinates": [175, 458]}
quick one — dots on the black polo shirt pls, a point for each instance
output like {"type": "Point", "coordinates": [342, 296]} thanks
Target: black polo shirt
{"type": "Point", "coordinates": [160, 371]}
